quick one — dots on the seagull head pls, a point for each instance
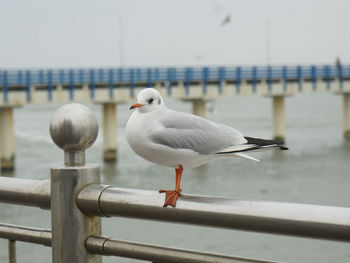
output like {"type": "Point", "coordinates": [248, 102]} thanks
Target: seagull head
{"type": "Point", "coordinates": [148, 100]}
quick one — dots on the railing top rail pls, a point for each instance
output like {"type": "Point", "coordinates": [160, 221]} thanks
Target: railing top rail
{"type": "Point", "coordinates": [315, 221]}
{"type": "Point", "coordinates": [25, 192]}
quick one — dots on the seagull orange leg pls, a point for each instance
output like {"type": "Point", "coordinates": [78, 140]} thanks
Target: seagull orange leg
{"type": "Point", "coordinates": [171, 196]}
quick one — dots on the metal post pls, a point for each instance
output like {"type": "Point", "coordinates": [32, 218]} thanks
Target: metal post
{"type": "Point", "coordinates": [12, 251]}
{"type": "Point", "coordinates": [73, 128]}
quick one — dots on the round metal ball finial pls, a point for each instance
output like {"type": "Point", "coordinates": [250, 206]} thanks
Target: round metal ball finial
{"type": "Point", "coordinates": [73, 127]}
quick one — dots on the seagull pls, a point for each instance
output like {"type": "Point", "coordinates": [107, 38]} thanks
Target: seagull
{"type": "Point", "coordinates": [182, 140]}
{"type": "Point", "coordinates": [226, 20]}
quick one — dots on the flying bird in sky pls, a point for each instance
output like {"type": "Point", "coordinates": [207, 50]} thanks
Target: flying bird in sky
{"type": "Point", "coordinates": [226, 20]}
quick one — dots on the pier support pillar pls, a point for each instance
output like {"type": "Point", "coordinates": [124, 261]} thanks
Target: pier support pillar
{"type": "Point", "coordinates": [198, 107]}
{"type": "Point", "coordinates": [346, 115]}
{"type": "Point", "coordinates": [7, 139]}
{"type": "Point", "coordinates": [109, 132]}
{"type": "Point", "coordinates": [278, 112]}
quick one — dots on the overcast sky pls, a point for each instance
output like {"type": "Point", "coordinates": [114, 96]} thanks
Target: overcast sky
{"type": "Point", "coordinates": [86, 33]}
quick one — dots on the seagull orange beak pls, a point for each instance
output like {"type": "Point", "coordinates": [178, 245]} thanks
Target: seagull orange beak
{"type": "Point", "coordinates": [136, 105]}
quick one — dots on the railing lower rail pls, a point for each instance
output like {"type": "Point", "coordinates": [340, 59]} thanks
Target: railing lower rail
{"type": "Point", "coordinates": [15, 233]}
{"type": "Point", "coordinates": [113, 247]}
{"type": "Point", "coordinates": [26, 234]}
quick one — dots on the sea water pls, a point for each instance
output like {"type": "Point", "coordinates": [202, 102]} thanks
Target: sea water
{"type": "Point", "coordinates": [315, 170]}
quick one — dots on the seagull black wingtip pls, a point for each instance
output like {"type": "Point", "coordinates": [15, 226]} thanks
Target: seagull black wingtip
{"type": "Point", "coordinates": [283, 148]}
{"type": "Point", "coordinates": [264, 142]}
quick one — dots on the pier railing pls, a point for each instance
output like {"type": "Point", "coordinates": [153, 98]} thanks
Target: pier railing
{"type": "Point", "coordinates": [77, 201]}
{"type": "Point", "coordinates": [113, 78]}
{"type": "Point", "coordinates": [47, 77]}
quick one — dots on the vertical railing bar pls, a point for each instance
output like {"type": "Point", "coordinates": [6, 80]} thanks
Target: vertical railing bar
{"type": "Point", "coordinates": [5, 84]}
{"type": "Point", "coordinates": [41, 77]}
{"type": "Point", "coordinates": [61, 76]}
{"type": "Point", "coordinates": [285, 78]}
{"type": "Point", "coordinates": [157, 77]}
{"type": "Point", "coordinates": [149, 78]}
{"type": "Point", "coordinates": [80, 77]}
{"type": "Point", "coordinates": [221, 78]}
{"type": "Point", "coordinates": [28, 85]}
{"type": "Point", "coordinates": [120, 76]}
{"type": "Point", "coordinates": [92, 84]}
{"type": "Point", "coordinates": [132, 84]}
{"type": "Point", "coordinates": [254, 79]}
{"type": "Point", "coordinates": [170, 81]}
{"type": "Point", "coordinates": [71, 84]}
{"type": "Point", "coordinates": [136, 75]}
{"type": "Point", "coordinates": [269, 78]}
{"type": "Point", "coordinates": [299, 76]}
{"type": "Point", "coordinates": [173, 75]}
{"type": "Point", "coordinates": [111, 83]}
{"type": "Point", "coordinates": [49, 84]}
{"type": "Point", "coordinates": [187, 80]}
{"type": "Point", "coordinates": [19, 77]}
{"type": "Point", "coordinates": [100, 76]}
{"type": "Point", "coordinates": [341, 77]}
{"type": "Point", "coordinates": [314, 78]}
{"type": "Point", "coordinates": [327, 75]}
{"type": "Point", "coordinates": [238, 79]}
{"type": "Point", "coordinates": [12, 251]}
{"type": "Point", "coordinates": [205, 79]}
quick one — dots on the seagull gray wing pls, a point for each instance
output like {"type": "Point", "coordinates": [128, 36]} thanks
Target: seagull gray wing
{"type": "Point", "coordinates": [185, 131]}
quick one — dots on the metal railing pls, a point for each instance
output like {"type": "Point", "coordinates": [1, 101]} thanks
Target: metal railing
{"type": "Point", "coordinates": [23, 77]}
{"type": "Point", "coordinates": [130, 77]}
{"type": "Point", "coordinates": [77, 201]}
{"type": "Point", "coordinates": [100, 245]}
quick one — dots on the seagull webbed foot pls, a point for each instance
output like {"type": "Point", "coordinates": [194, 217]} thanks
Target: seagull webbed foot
{"type": "Point", "coordinates": [170, 197]}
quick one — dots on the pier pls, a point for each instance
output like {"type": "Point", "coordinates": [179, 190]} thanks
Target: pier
{"type": "Point", "coordinates": [110, 87]}
{"type": "Point", "coordinates": [77, 201]}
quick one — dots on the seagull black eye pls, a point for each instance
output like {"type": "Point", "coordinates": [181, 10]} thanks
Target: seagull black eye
{"type": "Point", "coordinates": [150, 101]}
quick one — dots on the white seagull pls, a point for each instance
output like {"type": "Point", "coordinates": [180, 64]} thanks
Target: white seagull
{"type": "Point", "coordinates": [181, 140]}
